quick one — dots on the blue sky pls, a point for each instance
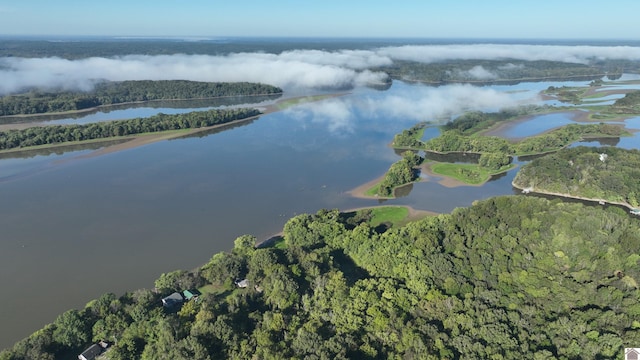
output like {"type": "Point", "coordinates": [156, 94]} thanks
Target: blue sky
{"type": "Point", "coordinates": [566, 19]}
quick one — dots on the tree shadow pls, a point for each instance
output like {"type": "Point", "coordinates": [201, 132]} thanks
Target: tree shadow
{"type": "Point", "coordinates": [351, 271]}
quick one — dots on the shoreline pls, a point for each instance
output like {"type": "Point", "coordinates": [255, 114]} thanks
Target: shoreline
{"type": "Point", "coordinates": [136, 140]}
{"type": "Point", "coordinates": [500, 128]}
{"type": "Point", "coordinates": [359, 192]}
{"type": "Point", "coordinates": [413, 215]}
{"type": "Point", "coordinates": [128, 103]}
{"type": "Point", "coordinates": [568, 196]}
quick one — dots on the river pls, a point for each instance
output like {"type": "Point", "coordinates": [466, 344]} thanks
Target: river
{"type": "Point", "coordinates": [76, 226]}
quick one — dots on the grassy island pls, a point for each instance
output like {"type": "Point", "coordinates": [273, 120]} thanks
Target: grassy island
{"type": "Point", "coordinates": [472, 174]}
{"type": "Point", "coordinates": [464, 135]}
{"type": "Point", "coordinates": [509, 277]}
{"type": "Point", "coordinates": [600, 174]}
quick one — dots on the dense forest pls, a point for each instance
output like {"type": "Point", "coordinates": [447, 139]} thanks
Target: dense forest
{"type": "Point", "coordinates": [55, 134]}
{"type": "Point", "coordinates": [606, 173]}
{"type": "Point", "coordinates": [410, 138]}
{"type": "Point", "coordinates": [508, 278]}
{"type": "Point", "coordinates": [472, 122]}
{"type": "Point", "coordinates": [38, 101]}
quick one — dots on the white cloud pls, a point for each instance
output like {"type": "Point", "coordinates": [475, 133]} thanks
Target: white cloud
{"type": "Point", "coordinates": [310, 69]}
{"type": "Point", "coordinates": [574, 54]}
{"type": "Point", "coordinates": [409, 104]}
{"type": "Point", "coordinates": [511, 66]}
{"type": "Point", "coordinates": [291, 69]}
{"type": "Point", "coordinates": [337, 114]}
{"type": "Point", "coordinates": [433, 103]}
{"type": "Point", "coordinates": [479, 73]}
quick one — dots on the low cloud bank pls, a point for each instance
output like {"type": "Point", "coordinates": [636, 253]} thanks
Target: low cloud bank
{"type": "Point", "coordinates": [290, 69]}
{"type": "Point", "coordinates": [297, 69]}
{"type": "Point", "coordinates": [572, 54]}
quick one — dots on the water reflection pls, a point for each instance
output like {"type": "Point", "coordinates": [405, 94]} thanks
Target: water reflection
{"type": "Point", "coordinates": [172, 204]}
{"type": "Point", "coordinates": [139, 110]}
{"type": "Point", "coordinates": [538, 125]}
{"type": "Point", "coordinates": [59, 150]}
{"type": "Point", "coordinates": [403, 191]}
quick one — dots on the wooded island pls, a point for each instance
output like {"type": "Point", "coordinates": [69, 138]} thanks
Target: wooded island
{"type": "Point", "coordinates": [39, 101]}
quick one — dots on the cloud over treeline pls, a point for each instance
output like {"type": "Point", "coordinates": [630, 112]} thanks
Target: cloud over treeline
{"type": "Point", "coordinates": [290, 69]}
{"type": "Point", "coordinates": [572, 54]}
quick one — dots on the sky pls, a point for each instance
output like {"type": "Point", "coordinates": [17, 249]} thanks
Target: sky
{"type": "Point", "coordinates": [512, 19]}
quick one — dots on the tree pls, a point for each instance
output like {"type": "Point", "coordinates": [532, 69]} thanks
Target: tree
{"type": "Point", "coordinates": [72, 329]}
{"type": "Point", "coordinates": [244, 245]}
{"type": "Point", "coordinates": [170, 281]}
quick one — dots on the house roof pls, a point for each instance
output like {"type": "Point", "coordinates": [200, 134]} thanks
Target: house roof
{"type": "Point", "coordinates": [173, 299]}
{"type": "Point", "coordinates": [91, 352]}
{"type": "Point", "coordinates": [188, 294]}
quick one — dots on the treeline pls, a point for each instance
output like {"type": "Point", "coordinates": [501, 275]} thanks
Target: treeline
{"type": "Point", "coordinates": [629, 104]}
{"type": "Point", "coordinates": [455, 141]}
{"type": "Point", "coordinates": [110, 93]}
{"type": "Point", "coordinates": [472, 122]}
{"type": "Point", "coordinates": [498, 71]}
{"type": "Point", "coordinates": [400, 173]}
{"type": "Point", "coordinates": [410, 138]}
{"type": "Point", "coordinates": [43, 135]}
{"type": "Point", "coordinates": [605, 173]}
{"type": "Point", "coordinates": [508, 278]}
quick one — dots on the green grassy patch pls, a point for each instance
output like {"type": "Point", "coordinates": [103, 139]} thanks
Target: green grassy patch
{"type": "Point", "coordinates": [388, 214]}
{"type": "Point", "coordinates": [373, 191]}
{"type": "Point", "coordinates": [471, 174]}
{"type": "Point", "coordinates": [212, 289]}
{"type": "Point", "coordinates": [278, 243]}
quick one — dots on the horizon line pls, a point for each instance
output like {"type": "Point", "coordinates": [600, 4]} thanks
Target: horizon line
{"type": "Point", "coordinates": [196, 38]}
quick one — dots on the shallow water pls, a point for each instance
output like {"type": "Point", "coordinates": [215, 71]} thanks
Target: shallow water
{"type": "Point", "coordinates": [538, 125]}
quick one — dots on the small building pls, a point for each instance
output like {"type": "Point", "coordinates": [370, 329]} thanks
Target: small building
{"type": "Point", "coordinates": [188, 295]}
{"type": "Point", "coordinates": [191, 294]}
{"type": "Point", "coordinates": [172, 300]}
{"type": "Point", "coordinates": [242, 283]}
{"type": "Point", "coordinates": [91, 352]}
{"type": "Point", "coordinates": [631, 353]}
{"type": "Point", "coordinates": [635, 211]}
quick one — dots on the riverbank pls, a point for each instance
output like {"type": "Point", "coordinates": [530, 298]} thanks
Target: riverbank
{"type": "Point", "coordinates": [136, 140]}
{"type": "Point", "coordinates": [501, 128]}
{"type": "Point", "coordinates": [426, 174]}
{"type": "Point", "coordinates": [412, 215]}
{"type": "Point", "coordinates": [122, 104]}
{"type": "Point", "coordinates": [569, 196]}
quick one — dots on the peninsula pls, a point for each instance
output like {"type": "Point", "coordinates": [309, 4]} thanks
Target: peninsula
{"type": "Point", "coordinates": [605, 174]}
